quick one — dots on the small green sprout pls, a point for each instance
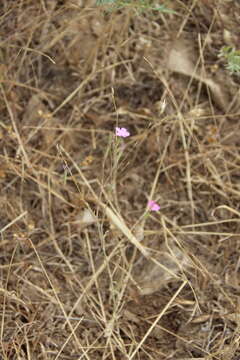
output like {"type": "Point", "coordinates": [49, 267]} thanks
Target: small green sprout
{"type": "Point", "coordinates": [140, 5]}
{"type": "Point", "coordinates": [233, 59]}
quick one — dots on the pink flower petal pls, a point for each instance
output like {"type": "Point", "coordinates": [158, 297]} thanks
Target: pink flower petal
{"type": "Point", "coordinates": [153, 206]}
{"type": "Point", "coordinates": [122, 132]}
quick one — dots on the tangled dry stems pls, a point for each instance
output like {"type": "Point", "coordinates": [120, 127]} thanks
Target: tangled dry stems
{"type": "Point", "coordinates": [84, 273]}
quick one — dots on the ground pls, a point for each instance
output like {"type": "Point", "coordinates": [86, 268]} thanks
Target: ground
{"type": "Point", "coordinates": [88, 270]}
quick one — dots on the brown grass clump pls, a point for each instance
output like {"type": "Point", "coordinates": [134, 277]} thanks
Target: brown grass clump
{"type": "Point", "coordinates": [87, 272]}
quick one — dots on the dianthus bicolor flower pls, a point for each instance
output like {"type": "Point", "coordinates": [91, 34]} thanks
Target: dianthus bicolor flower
{"type": "Point", "coordinates": [152, 205]}
{"type": "Point", "coordinates": [122, 132]}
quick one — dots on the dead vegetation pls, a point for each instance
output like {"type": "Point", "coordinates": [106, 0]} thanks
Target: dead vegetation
{"type": "Point", "coordinates": [85, 274]}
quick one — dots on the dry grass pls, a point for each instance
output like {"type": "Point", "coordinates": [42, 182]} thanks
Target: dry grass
{"type": "Point", "coordinates": [86, 273]}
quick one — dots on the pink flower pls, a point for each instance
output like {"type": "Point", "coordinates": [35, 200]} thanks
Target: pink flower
{"type": "Point", "coordinates": [153, 206]}
{"type": "Point", "coordinates": [123, 132]}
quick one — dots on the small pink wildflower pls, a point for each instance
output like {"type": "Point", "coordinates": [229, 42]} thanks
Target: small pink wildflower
{"type": "Point", "coordinates": [122, 132]}
{"type": "Point", "coordinates": [153, 206]}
